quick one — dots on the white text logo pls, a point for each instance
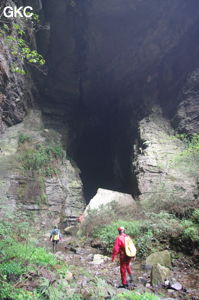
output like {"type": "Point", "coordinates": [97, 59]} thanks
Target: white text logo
{"type": "Point", "coordinates": [14, 12]}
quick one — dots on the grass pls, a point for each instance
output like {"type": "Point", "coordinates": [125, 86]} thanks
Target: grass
{"type": "Point", "coordinates": [135, 296]}
{"type": "Point", "coordinates": [19, 258]}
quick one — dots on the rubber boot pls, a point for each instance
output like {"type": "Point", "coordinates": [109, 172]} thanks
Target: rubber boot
{"type": "Point", "coordinates": [130, 278]}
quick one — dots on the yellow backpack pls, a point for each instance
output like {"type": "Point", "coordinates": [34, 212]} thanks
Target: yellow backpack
{"type": "Point", "coordinates": [56, 237]}
{"type": "Point", "coordinates": [130, 249]}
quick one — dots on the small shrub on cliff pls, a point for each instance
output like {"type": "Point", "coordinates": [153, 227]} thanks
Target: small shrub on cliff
{"type": "Point", "coordinates": [23, 138]}
{"type": "Point", "coordinates": [195, 216]}
{"type": "Point", "coordinates": [41, 159]}
{"type": "Point", "coordinates": [188, 159]}
{"type": "Point", "coordinates": [15, 37]}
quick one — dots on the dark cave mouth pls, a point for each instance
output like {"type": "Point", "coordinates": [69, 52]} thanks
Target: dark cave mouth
{"type": "Point", "coordinates": [100, 143]}
{"type": "Point", "coordinates": [103, 153]}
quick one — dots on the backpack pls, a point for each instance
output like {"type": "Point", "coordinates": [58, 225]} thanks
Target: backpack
{"type": "Point", "coordinates": [130, 249]}
{"type": "Point", "coordinates": [55, 235]}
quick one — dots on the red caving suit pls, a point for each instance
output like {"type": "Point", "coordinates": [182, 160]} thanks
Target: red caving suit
{"type": "Point", "coordinates": [119, 247]}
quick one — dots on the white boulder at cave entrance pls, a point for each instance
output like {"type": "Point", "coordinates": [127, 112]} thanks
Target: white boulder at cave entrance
{"type": "Point", "coordinates": [105, 197]}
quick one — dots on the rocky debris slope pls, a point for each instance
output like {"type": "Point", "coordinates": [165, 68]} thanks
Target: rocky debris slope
{"type": "Point", "coordinates": [96, 276]}
{"type": "Point", "coordinates": [47, 199]}
{"type": "Point", "coordinates": [163, 176]}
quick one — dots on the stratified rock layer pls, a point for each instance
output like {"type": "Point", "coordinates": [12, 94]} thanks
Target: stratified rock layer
{"type": "Point", "coordinates": [56, 198]}
{"type": "Point", "coordinates": [187, 117]}
{"type": "Point", "coordinates": [164, 173]}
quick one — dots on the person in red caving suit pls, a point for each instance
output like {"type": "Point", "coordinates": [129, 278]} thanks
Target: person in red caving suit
{"type": "Point", "coordinates": [119, 247]}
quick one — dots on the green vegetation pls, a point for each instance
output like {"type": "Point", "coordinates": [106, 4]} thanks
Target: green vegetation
{"type": "Point", "coordinates": [26, 269]}
{"type": "Point", "coordinates": [19, 257]}
{"type": "Point", "coordinates": [152, 233]}
{"type": "Point", "coordinates": [16, 39]}
{"type": "Point", "coordinates": [137, 229]}
{"type": "Point", "coordinates": [188, 159]}
{"type": "Point", "coordinates": [39, 158]}
{"type": "Point", "coordinates": [135, 296]}
{"type": "Point", "coordinates": [23, 138]}
{"type": "Point", "coordinates": [195, 216]}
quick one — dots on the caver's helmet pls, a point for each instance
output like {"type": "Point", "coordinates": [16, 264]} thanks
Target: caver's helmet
{"type": "Point", "coordinates": [121, 228]}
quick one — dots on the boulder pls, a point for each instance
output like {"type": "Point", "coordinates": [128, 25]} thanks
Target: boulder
{"type": "Point", "coordinates": [163, 258]}
{"type": "Point", "coordinates": [176, 286]}
{"type": "Point", "coordinates": [159, 274]}
{"type": "Point", "coordinates": [70, 230]}
{"type": "Point", "coordinates": [69, 276]}
{"type": "Point", "coordinates": [106, 197]}
{"type": "Point", "coordinates": [99, 259]}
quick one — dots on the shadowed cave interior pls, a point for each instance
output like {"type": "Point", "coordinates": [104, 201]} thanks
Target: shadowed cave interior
{"type": "Point", "coordinates": [107, 69]}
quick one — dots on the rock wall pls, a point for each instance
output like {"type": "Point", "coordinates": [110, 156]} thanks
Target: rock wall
{"type": "Point", "coordinates": [46, 200]}
{"type": "Point", "coordinates": [15, 93]}
{"type": "Point", "coordinates": [166, 174]}
{"type": "Point", "coordinates": [187, 116]}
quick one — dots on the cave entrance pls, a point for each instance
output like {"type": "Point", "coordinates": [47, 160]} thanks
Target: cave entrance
{"type": "Point", "coordinates": [103, 148]}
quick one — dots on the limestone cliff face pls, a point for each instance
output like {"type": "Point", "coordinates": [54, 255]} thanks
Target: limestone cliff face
{"type": "Point", "coordinates": [187, 116]}
{"type": "Point", "coordinates": [46, 199]}
{"type": "Point", "coordinates": [166, 174]}
{"type": "Point", "coordinates": [15, 93]}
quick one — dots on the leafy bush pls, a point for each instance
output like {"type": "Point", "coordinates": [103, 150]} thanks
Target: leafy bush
{"type": "Point", "coordinates": [18, 258]}
{"type": "Point", "coordinates": [107, 214]}
{"type": "Point", "coordinates": [191, 233]}
{"type": "Point", "coordinates": [136, 229]}
{"type": "Point", "coordinates": [152, 233]}
{"type": "Point", "coordinates": [7, 291]}
{"type": "Point", "coordinates": [23, 138]}
{"type": "Point", "coordinates": [164, 225]}
{"type": "Point", "coordinates": [14, 35]}
{"type": "Point", "coordinates": [195, 216]}
{"type": "Point", "coordinates": [144, 244]}
{"type": "Point", "coordinates": [41, 159]}
{"type": "Point", "coordinates": [189, 157]}
{"type": "Point", "coordinates": [11, 267]}
{"type": "Point", "coordinates": [26, 252]}
{"type": "Point", "coordinates": [135, 296]}
{"type": "Point", "coordinates": [55, 151]}
{"type": "Point", "coordinates": [5, 228]}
